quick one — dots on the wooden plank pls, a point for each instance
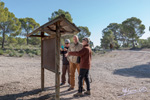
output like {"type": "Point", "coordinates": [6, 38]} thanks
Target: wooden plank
{"type": "Point", "coordinates": [36, 30]}
{"type": "Point", "coordinates": [42, 68]}
{"type": "Point", "coordinates": [71, 25]}
{"type": "Point", "coordinates": [49, 37]}
{"type": "Point", "coordinates": [57, 62]}
{"type": "Point", "coordinates": [45, 25]}
{"type": "Point", "coordinates": [49, 31]}
{"type": "Point", "coordinates": [38, 36]}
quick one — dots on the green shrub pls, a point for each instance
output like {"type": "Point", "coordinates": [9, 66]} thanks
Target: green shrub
{"type": "Point", "coordinates": [13, 53]}
{"type": "Point", "coordinates": [1, 52]}
{"type": "Point", "coordinates": [7, 51]}
{"type": "Point", "coordinates": [28, 51]}
{"type": "Point", "coordinates": [31, 55]}
{"type": "Point", "coordinates": [38, 52]}
{"type": "Point", "coordinates": [22, 51]}
{"type": "Point", "coordinates": [20, 55]}
{"type": "Point", "coordinates": [11, 46]}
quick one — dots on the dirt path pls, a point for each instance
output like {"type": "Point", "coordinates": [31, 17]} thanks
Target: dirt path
{"type": "Point", "coordinates": [117, 75]}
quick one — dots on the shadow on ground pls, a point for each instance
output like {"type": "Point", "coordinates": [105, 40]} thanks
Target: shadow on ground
{"type": "Point", "coordinates": [37, 92]}
{"type": "Point", "coordinates": [139, 71]}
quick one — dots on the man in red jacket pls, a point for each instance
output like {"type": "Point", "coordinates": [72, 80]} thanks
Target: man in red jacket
{"type": "Point", "coordinates": [85, 64]}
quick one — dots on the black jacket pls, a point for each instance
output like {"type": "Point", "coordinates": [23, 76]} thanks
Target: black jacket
{"type": "Point", "coordinates": [65, 61]}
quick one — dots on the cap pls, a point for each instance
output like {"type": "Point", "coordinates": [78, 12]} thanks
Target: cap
{"type": "Point", "coordinates": [86, 39]}
{"type": "Point", "coordinates": [67, 41]}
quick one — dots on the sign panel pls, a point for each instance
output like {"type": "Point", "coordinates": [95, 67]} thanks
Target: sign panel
{"type": "Point", "coordinates": [49, 54]}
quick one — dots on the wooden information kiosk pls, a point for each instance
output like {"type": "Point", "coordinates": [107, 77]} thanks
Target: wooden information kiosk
{"type": "Point", "coordinates": [50, 46]}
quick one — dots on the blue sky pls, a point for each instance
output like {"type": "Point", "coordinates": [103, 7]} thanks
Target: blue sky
{"type": "Point", "coordinates": [95, 14]}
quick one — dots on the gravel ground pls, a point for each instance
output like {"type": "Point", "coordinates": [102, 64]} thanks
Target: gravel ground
{"type": "Point", "coordinates": [117, 75]}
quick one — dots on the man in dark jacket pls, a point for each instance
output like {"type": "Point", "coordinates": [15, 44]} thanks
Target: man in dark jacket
{"type": "Point", "coordinates": [85, 64]}
{"type": "Point", "coordinates": [65, 62]}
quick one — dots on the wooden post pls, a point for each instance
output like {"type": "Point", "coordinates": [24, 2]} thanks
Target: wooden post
{"type": "Point", "coordinates": [57, 62]}
{"type": "Point", "coordinates": [42, 68]}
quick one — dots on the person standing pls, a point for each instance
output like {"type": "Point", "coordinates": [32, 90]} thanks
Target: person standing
{"type": "Point", "coordinates": [74, 64]}
{"type": "Point", "coordinates": [65, 62]}
{"type": "Point", "coordinates": [85, 65]}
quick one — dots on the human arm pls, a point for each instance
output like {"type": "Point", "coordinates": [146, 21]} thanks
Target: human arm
{"type": "Point", "coordinates": [78, 53]}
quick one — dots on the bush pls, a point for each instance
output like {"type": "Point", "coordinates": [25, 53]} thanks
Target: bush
{"type": "Point", "coordinates": [1, 52]}
{"type": "Point", "coordinates": [38, 52]}
{"type": "Point", "coordinates": [11, 46]}
{"type": "Point", "coordinates": [7, 51]}
{"type": "Point", "coordinates": [20, 55]}
{"type": "Point", "coordinates": [31, 55]}
{"type": "Point", "coordinates": [28, 51]}
{"type": "Point", "coordinates": [144, 43]}
{"type": "Point", "coordinates": [22, 51]}
{"type": "Point", "coordinates": [12, 54]}
{"type": "Point", "coordinates": [11, 40]}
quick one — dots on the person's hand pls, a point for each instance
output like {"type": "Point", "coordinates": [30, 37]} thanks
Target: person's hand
{"type": "Point", "coordinates": [61, 49]}
{"type": "Point", "coordinates": [66, 54]}
{"type": "Point", "coordinates": [65, 49]}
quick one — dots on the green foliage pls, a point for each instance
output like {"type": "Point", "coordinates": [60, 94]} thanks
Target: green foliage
{"type": "Point", "coordinates": [114, 27]}
{"type": "Point", "coordinates": [11, 40]}
{"type": "Point", "coordinates": [68, 17]}
{"type": "Point", "coordinates": [144, 43]}
{"type": "Point", "coordinates": [97, 48]}
{"type": "Point", "coordinates": [38, 52]}
{"type": "Point", "coordinates": [9, 24]}
{"type": "Point", "coordinates": [27, 25]}
{"type": "Point", "coordinates": [35, 41]}
{"type": "Point", "coordinates": [125, 34]}
{"type": "Point", "coordinates": [91, 44]}
{"type": "Point", "coordinates": [13, 53]}
{"type": "Point", "coordinates": [14, 50]}
{"type": "Point", "coordinates": [33, 52]}
{"type": "Point", "coordinates": [31, 55]}
{"type": "Point", "coordinates": [58, 13]}
{"type": "Point", "coordinates": [1, 40]}
{"type": "Point", "coordinates": [20, 41]}
{"type": "Point", "coordinates": [108, 38]}
{"type": "Point", "coordinates": [1, 52]}
{"type": "Point", "coordinates": [134, 29]}
{"type": "Point", "coordinates": [84, 30]}
{"type": "Point", "coordinates": [83, 33]}
{"type": "Point", "coordinates": [4, 12]}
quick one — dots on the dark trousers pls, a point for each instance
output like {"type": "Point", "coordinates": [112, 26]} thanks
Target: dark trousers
{"type": "Point", "coordinates": [65, 68]}
{"type": "Point", "coordinates": [84, 74]}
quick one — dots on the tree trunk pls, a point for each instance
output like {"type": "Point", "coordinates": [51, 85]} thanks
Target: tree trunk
{"type": "Point", "coordinates": [3, 40]}
{"type": "Point", "coordinates": [123, 42]}
{"type": "Point", "coordinates": [27, 39]}
{"type": "Point", "coordinates": [133, 44]}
